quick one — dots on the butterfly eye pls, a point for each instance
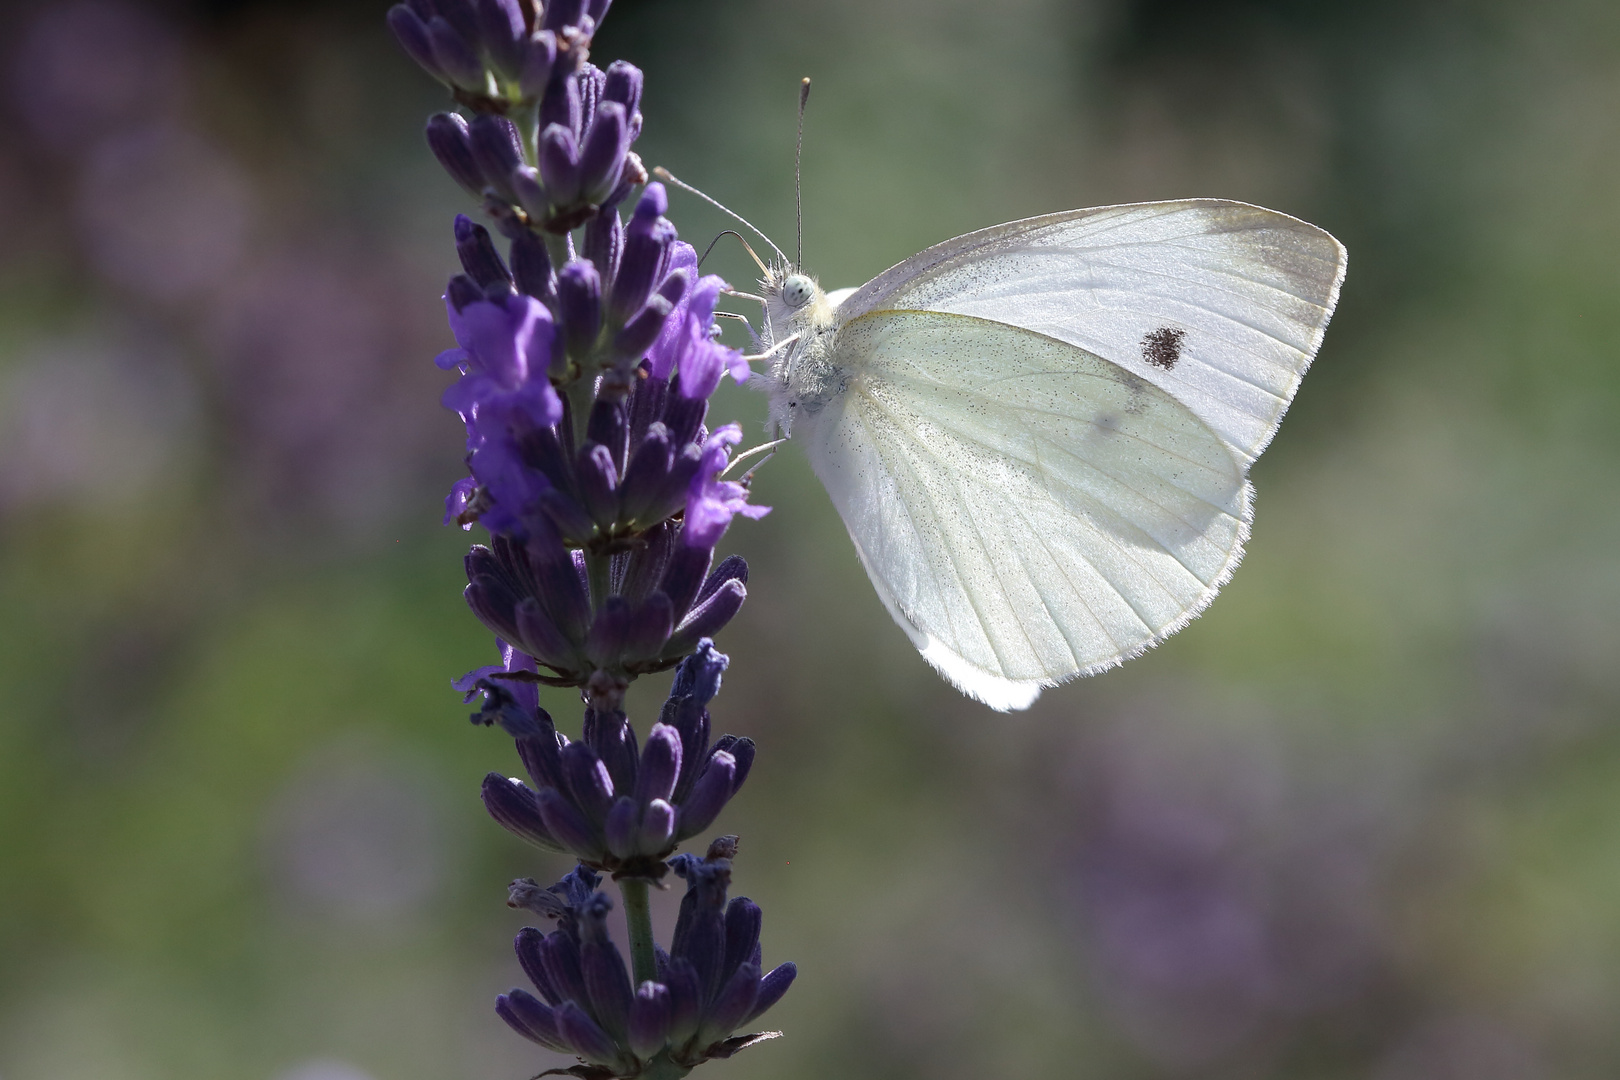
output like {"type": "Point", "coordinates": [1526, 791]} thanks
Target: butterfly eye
{"type": "Point", "coordinates": [797, 290]}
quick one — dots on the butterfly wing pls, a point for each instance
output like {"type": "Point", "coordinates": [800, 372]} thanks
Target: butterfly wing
{"type": "Point", "coordinates": [1027, 510]}
{"type": "Point", "coordinates": [1221, 304]}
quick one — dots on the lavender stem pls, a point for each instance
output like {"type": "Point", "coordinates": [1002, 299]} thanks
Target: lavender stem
{"type": "Point", "coordinates": [638, 921]}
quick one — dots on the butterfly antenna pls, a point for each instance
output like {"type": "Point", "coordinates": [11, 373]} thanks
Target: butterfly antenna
{"type": "Point", "coordinates": [798, 161]}
{"type": "Point", "coordinates": [670, 178]}
{"type": "Point", "coordinates": [740, 240]}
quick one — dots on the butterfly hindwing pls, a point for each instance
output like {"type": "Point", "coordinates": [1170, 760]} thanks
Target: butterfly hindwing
{"type": "Point", "coordinates": [1027, 510]}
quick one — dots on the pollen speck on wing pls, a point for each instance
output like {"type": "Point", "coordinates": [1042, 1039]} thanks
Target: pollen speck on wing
{"type": "Point", "coordinates": [1162, 347]}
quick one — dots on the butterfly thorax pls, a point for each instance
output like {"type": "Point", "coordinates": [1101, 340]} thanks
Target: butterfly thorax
{"type": "Point", "coordinates": [801, 378]}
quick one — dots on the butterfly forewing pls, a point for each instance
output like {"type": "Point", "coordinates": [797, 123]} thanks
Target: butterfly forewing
{"type": "Point", "coordinates": [1221, 304]}
{"type": "Point", "coordinates": [1027, 510]}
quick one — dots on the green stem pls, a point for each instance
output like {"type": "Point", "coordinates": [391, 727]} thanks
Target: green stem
{"type": "Point", "coordinates": [638, 920]}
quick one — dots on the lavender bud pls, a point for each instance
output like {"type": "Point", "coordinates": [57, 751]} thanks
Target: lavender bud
{"type": "Point", "coordinates": [601, 157]}
{"type": "Point", "coordinates": [448, 139]}
{"type": "Point", "coordinates": [743, 750]}
{"type": "Point", "coordinates": [478, 255]}
{"type": "Point", "coordinates": [500, 24]}
{"type": "Point", "coordinates": [683, 576]}
{"type": "Point", "coordinates": [512, 805]}
{"type": "Point", "coordinates": [561, 104]}
{"type": "Point", "coordinates": [646, 253]}
{"type": "Point", "coordinates": [607, 982]}
{"type": "Point", "coordinates": [657, 827]}
{"type": "Point", "coordinates": [579, 302]}
{"type": "Point", "coordinates": [685, 999]}
{"type": "Point", "coordinates": [412, 34]}
{"type": "Point", "coordinates": [559, 165]}
{"type": "Point", "coordinates": [645, 473]}
{"type": "Point", "coordinates": [604, 242]}
{"type": "Point", "coordinates": [462, 291]}
{"type": "Point", "coordinates": [623, 85]}
{"type": "Point", "coordinates": [528, 945]}
{"type": "Point", "coordinates": [608, 732]}
{"type": "Point", "coordinates": [568, 825]}
{"type": "Point", "coordinates": [540, 636]}
{"type": "Point", "coordinates": [588, 780]}
{"type": "Point", "coordinates": [459, 14]}
{"type": "Point", "coordinates": [640, 332]}
{"type": "Point", "coordinates": [542, 756]}
{"type": "Point", "coordinates": [734, 1001]}
{"type": "Point", "coordinates": [660, 764]}
{"type": "Point", "coordinates": [454, 56]}
{"type": "Point", "coordinates": [530, 192]}
{"type": "Point", "coordinates": [743, 922]}
{"type": "Point", "coordinates": [585, 1036]}
{"type": "Point", "coordinates": [540, 53]}
{"type": "Point", "coordinates": [531, 267]}
{"type": "Point", "coordinates": [559, 956]}
{"type": "Point", "coordinates": [771, 989]}
{"type": "Point", "coordinates": [622, 827]}
{"type": "Point", "coordinates": [709, 795]}
{"type": "Point", "coordinates": [597, 481]}
{"type": "Point", "coordinates": [649, 1020]}
{"type": "Point", "coordinates": [649, 629]}
{"type": "Point", "coordinates": [498, 150]}
{"type": "Point", "coordinates": [570, 518]}
{"type": "Point", "coordinates": [709, 617]}
{"type": "Point", "coordinates": [532, 1019]}
{"type": "Point", "coordinates": [605, 645]}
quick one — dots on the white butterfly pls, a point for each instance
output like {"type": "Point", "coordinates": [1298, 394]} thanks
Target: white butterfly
{"type": "Point", "coordinates": [1039, 435]}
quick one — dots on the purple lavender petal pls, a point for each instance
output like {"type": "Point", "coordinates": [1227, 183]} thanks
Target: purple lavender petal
{"type": "Point", "coordinates": [542, 757]}
{"type": "Point", "coordinates": [530, 190]}
{"type": "Point", "coordinates": [608, 732]}
{"type": "Point", "coordinates": [559, 958]}
{"type": "Point", "coordinates": [598, 481]}
{"type": "Point", "coordinates": [712, 502]}
{"type": "Point", "coordinates": [457, 502]}
{"type": "Point", "coordinates": [743, 750]}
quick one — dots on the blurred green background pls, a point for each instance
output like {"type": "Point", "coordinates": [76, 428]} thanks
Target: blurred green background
{"type": "Point", "coordinates": [1360, 820]}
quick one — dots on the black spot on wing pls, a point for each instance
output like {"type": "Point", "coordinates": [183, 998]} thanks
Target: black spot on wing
{"type": "Point", "coordinates": [1162, 347]}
